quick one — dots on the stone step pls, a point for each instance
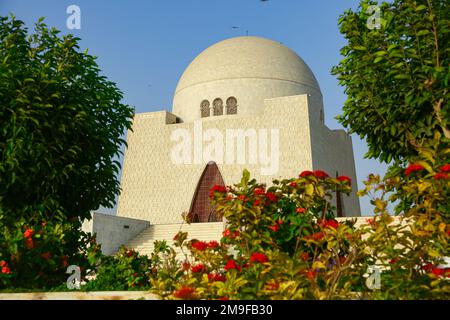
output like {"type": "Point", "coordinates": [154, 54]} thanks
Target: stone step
{"type": "Point", "coordinates": [144, 241]}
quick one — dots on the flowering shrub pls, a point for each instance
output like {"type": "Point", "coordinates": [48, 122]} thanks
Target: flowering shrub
{"type": "Point", "coordinates": [412, 252]}
{"type": "Point", "coordinates": [35, 253]}
{"type": "Point", "coordinates": [281, 243]}
{"type": "Point", "coordinates": [284, 243]}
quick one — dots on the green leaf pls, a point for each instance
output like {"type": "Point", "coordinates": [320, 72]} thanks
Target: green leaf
{"type": "Point", "coordinates": [402, 76]}
{"type": "Point", "coordinates": [421, 7]}
{"type": "Point", "coordinates": [423, 32]}
{"type": "Point", "coordinates": [360, 48]}
{"type": "Point", "coordinates": [309, 189]}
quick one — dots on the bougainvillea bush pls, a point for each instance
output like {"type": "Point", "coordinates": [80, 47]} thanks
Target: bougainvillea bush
{"type": "Point", "coordinates": [283, 242]}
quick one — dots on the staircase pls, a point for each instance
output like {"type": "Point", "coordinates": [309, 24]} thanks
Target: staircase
{"type": "Point", "coordinates": [143, 242]}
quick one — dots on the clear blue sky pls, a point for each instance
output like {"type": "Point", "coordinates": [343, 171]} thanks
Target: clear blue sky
{"type": "Point", "coordinates": [144, 46]}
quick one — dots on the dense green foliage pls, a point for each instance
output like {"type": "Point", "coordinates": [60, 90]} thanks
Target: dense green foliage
{"type": "Point", "coordinates": [126, 270]}
{"type": "Point", "coordinates": [396, 77]}
{"type": "Point", "coordinates": [61, 124]}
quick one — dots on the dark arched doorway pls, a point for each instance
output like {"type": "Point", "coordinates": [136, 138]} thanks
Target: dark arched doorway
{"type": "Point", "coordinates": [201, 209]}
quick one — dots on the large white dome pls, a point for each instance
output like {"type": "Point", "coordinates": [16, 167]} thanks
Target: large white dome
{"type": "Point", "coordinates": [250, 69]}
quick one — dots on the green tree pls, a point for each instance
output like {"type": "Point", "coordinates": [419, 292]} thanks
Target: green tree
{"type": "Point", "coordinates": [396, 77]}
{"type": "Point", "coordinates": [61, 124]}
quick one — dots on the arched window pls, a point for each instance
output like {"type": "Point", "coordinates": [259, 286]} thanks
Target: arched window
{"type": "Point", "coordinates": [218, 107]}
{"type": "Point", "coordinates": [204, 108]}
{"type": "Point", "coordinates": [201, 208]}
{"type": "Point", "coordinates": [231, 105]}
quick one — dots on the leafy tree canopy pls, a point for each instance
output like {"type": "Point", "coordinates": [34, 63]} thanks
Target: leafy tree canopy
{"type": "Point", "coordinates": [396, 77]}
{"type": "Point", "coordinates": [61, 124]}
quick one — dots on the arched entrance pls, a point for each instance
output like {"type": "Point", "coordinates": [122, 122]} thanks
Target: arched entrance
{"type": "Point", "coordinates": [201, 209]}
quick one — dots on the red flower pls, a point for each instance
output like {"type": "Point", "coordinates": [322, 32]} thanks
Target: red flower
{"type": "Point", "coordinates": [46, 255]}
{"type": "Point", "coordinates": [129, 253]}
{"type": "Point", "coordinates": [441, 176]}
{"type": "Point", "coordinates": [293, 184]}
{"type": "Point", "coordinates": [427, 267]}
{"type": "Point", "coordinates": [199, 245]}
{"type": "Point", "coordinates": [227, 233]}
{"type": "Point", "coordinates": [271, 196]}
{"type": "Point", "coordinates": [413, 168]}
{"type": "Point", "coordinates": [311, 274]}
{"type": "Point", "coordinates": [345, 179]}
{"type": "Point", "coordinates": [306, 174]}
{"type": "Point", "coordinates": [186, 266]}
{"type": "Point", "coordinates": [259, 191]}
{"type": "Point", "coordinates": [198, 268]}
{"type": "Point", "coordinates": [216, 277]}
{"type": "Point", "coordinates": [184, 293]}
{"type": "Point", "coordinates": [217, 188]}
{"type": "Point", "coordinates": [258, 257]}
{"type": "Point", "coordinates": [65, 263]}
{"type": "Point", "coordinates": [438, 271]}
{"type": "Point", "coordinates": [273, 286]}
{"type": "Point", "coordinates": [213, 244]}
{"type": "Point", "coordinates": [300, 210]}
{"type": "Point", "coordinates": [223, 298]}
{"type": "Point", "coordinates": [445, 168]}
{"type": "Point", "coordinates": [274, 228]}
{"type": "Point", "coordinates": [231, 264]}
{"type": "Point", "coordinates": [304, 256]}
{"type": "Point", "coordinates": [256, 203]}
{"type": "Point", "coordinates": [242, 197]}
{"type": "Point", "coordinates": [6, 270]}
{"type": "Point", "coordinates": [393, 261]}
{"type": "Point", "coordinates": [3, 263]}
{"type": "Point", "coordinates": [320, 174]}
{"type": "Point", "coordinates": [329, 224]}
{"type": "Point", "coordinates": [29, 243]}
{"type": "Point", "coordinates": [28, 233]}
{"type": "Point", "coordinates": [316, 236]}
{"type": "Point", "coordinates": [135, 274]}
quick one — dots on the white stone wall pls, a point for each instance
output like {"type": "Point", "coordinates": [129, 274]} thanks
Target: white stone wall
{"type": "Point", "coordinates": [332, 151]}
{"type": "Point", "coordinates": [113, 231]}
{"type": "Point", "coordinates": [157, 190]}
